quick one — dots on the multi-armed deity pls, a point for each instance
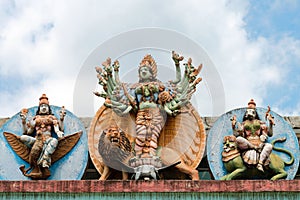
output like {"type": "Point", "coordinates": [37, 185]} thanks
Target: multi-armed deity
{"type": "Point", "coordinates": [251, 137]}
{"type": "Point", "coordinates": [250, 151]}
{"type": "Point", "coordinates": [41, 141]}
{"type": "Point", "coordinates": [151, 124]}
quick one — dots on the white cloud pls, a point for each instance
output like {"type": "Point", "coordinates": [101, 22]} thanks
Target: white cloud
{"type": "Point", "coordinates": [75, 28]}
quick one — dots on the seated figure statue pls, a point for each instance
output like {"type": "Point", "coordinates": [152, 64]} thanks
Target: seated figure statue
{"type": "Point", "coordinates": [252, 135]}
{"type": "Point", "coordinates": [40, 141]}
{"type": "Point", "coordinates": [42, 124]}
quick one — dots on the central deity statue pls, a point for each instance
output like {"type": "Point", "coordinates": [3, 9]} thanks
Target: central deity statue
{"type": "Point", "coordinates": [150, 101]}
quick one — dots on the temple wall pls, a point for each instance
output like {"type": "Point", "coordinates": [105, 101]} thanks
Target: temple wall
{"type": "Point", "coordinates": [163, 189]}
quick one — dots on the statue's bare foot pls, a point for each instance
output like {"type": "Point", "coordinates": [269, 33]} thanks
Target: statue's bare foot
{"type": "Point", "coordinates": [260, 167]}
{"type": "Point", "coordinates": [195, 175]}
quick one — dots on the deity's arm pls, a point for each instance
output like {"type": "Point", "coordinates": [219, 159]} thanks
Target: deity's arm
{"type": "Point", "coordinates": [101, 76]}
{"type": "Point", "coordinates": [237, 127]}
{"type": "Point", "coordinates": [31, 126]}
{"type": "Point", "coordinates": [270, 132]}
{"type": "Point", "coordinates": [56, 127]}
{"type": "Point", "coordinates": [101, 94]}
{"type": "Point", "coordinates": [169, 102]}
{"type": "Point", "coordinates": [109, 79]}
{"type": "Point", "coordinates": [177, 97]}
{"type": "Point", "coordinates": [193, 85]}
{"type": "Point", "coordinates": [184, 81]}
{"type": "Point", "coordinates": [120, 108]}
{"type": "Point", "coordinates": [23, 116]}
{"type": "Point", "coordinates": [111, 84]}
{"type": "Point", "coordinates": [171, 111]}
{"type": "Point", "coordinates": [130, 98]}
{"type": "Point", "coordinates": [62, 114]}
{"type": "Point", "coordinates": [265, 131]}
{"type": "Point", "coordinates": [177, 60]}
{"type": "Point", "coordinates": [271, 122]}
{"type": "Point", "coordinates": [175, 106]}
{"type": "Point", "coordinates": [106, 78]}
{"type": "Point", "coordinates": [187, 73]}
{"type": "Point", "coordinates": [188, 87]}
{"type": "Point", "coordinates": [116, 67]}
{"type": "Point", "coordinates": [116, 93]}
{"type": "Point", "coordinates": [190, 79]}
{"type": "Point", "coordinates": [239, 130]}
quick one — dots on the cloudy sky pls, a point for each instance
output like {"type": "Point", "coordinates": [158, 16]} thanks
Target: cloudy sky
{"type": "Point", "coordinates": [254, 45]}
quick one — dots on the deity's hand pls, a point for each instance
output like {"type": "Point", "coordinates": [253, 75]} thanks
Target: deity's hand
{"type": "Point", "coordinates": [32, 122]}
{"type": "Point", "coordinates": [100, 94]}
{"type": "Point", "coordinates": [116, 65]}
{"type": "Point", "coordinates": [233, 121]}
{"type": "Point", "coordinates": [23, 115]}
{"type": "Point", "coordinates": [189, 63]}
{"type": "Point", "coordinates": [107, 63]}
{"type": "Point", "coordinates": [60, 134]}
{"type": "Point", "coordinates": [269, 116]}
{"type": "Point", "coordinates": [271, 119]}
{"type": "Point", "coordinates": [107, 66]}
{"type": "Point", "coordinates": [263, 138]}
{"type": "Point", "coordinates": [176, 57]}
{"type": "Point", "coordinates": [259, 147]}
{"type": "Point", "coordinates": [62, 113]}
{"type": "Point", "coordinates": [175, 113]}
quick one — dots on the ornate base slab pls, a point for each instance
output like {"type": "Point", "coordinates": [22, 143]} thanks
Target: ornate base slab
{"type": "Point", "coordinates": [174, 186]}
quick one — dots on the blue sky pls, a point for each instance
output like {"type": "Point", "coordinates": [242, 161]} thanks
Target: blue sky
{"type": "Point", "coordinates": [278, 21]}
{"type": "Point", "coordinates": [273, 19]}
{"type": "Point", "coordinates": [255, 46]}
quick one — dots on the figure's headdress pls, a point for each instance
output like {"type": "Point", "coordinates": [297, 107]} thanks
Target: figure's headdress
{"type": "Point", "coordinates": [43, 100]}
{"type": "Point", "coordinates": [150, 62]}
{"type": "Point", "coordinates": [251, 104]}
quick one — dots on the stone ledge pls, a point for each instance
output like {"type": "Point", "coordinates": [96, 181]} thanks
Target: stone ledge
{"type": "Point", "coordinates": [95, 186]}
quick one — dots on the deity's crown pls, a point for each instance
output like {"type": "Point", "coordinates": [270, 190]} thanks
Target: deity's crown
{"type": "Point", "coordinates": [150, 62]}
{"type": "Point", "coordinates": [251, 104]}
{"type": "Point", "coordinates": [44, 99]}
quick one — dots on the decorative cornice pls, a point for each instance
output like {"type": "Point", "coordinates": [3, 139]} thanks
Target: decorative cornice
{"type": "Point", "coordinates": [94, 186]}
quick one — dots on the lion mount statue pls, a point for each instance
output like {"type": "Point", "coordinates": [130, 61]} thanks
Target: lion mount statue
{"type": "Point", "coordinates": [116, 150]}
{"type": "Point", "coordinates": [118, 155]}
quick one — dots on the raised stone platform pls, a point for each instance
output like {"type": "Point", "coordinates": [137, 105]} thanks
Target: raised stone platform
{"type": "Point", "coordinates": [181, 186]}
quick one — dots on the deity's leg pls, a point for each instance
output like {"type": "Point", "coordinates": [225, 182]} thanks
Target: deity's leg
{"type": "Point", "coordinates": [265, 153]}
{"type": "Point", "coordinates": [140, 139]}
{"type": "Point", "coordinates": [27, 140]}
{"type": "Point", "coordinates": [243, 143]}
{"type": "Point", "coordinates": [149, 123]}
{"type": "Point", "coordinates": [48, 149]}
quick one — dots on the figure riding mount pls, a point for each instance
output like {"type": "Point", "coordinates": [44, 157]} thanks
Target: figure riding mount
{"type": "Point", "coordinates": [43, 141]}
{"type": "Point", "coordinates": [247, 154]}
